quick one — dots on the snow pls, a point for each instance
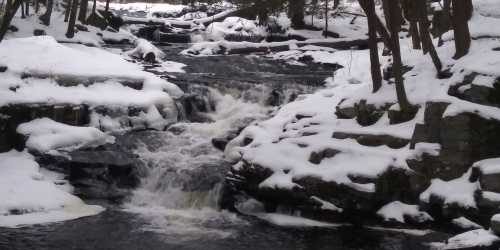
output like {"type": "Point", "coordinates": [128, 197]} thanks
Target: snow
{"type": "Point", "coordinates": [294, 221]}
{"type": "Point", "coordinates": [396, 210]}
{"type": "Point", "coordinates": [488, 166]}
{"type": "Point", "coordinates": [44, 56]}
{"type": "Point", "coordinates": [474, 238]}
{"type": "Point", "coordinates": [144, 47]}
{"type": "Point", "coordinates": [58, 28]}
{"type": "Point", "coordinates": [31, 196]}
{"type": "Point", "coordinates": [465, 223]}
{"type": "Point", "coordinates": [459, 191]}
{"type": "Point", "coordinates": [236, 26]}
{"type": "Point", "coordinates": [325, 205]}
{"type": "Point", "coordinates": [46, 136]}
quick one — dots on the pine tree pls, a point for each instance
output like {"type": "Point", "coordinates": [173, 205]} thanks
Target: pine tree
{"type": "Point", "coordinates": [369, 8]}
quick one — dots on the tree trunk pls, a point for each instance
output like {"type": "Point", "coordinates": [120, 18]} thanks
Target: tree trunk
{"type": "Point", "coordinates": [462, 12]}
{"type": "Point", "coordinates": [45, 18]}
{"type": "Point", "coordinates": [67, 11]}
{"type": "Point", "coordinates": [106, 9]}
{"type": "Point", "coordinates": [426, 37]}
{"type": "Point", "coordinates": [10, 12]}
{"type": "Point", "coordinates": [22, 11]}
{"type": "Point", "coordinates": [326, 19]}
{"type": "Point", "coordinates": [37, 6]}
{"type": "Point", "coordinates": [415, 37]}
{"type": "Point", "coordinates": [72, 20]}
{"type": "Point", "coordinates": [94, 6]}
{"type": "Point", "coordinates": [82, 15]}
{"type": "Point", "coordinates": [27, 8]}
{"type": "Point", "coordinates": [369, 8]}
{"type": "Point", "coordinates": [393, 20]}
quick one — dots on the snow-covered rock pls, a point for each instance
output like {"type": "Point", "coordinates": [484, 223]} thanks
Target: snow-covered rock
{"type": "Point", "coordinates": [47, 136]}
{"type": "Point", "coordinates": [398, 211]}
{"type": "Point", "coordinates": [146, 51]}
{"type": "Point", "coordinates": [32, 196]}
{"type": "Point", "coordinates": [474, 239]}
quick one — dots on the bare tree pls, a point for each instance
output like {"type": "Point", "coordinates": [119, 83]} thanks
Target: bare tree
{"type": "Point", "coordinates": [392, 10]}
{"type": "Point", "coordinates": [462, 12]}
{"type": "Point", "coordinates": [45, 18]}
{"type": "Point", "coordinates": [82, 15]}
{"type": "Point", "coordinates": [369, 8]}
{"type": "Point", "coordinates": [9, 13]}
{"type": "Point", "coordinates": [70, 33]}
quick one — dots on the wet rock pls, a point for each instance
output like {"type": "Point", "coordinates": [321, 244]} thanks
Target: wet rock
{"type": "Point", "coordinates": [39, 32]}
{"type": "Point", "coordinates": [97, 173]}
{"type": "Point", "coordinates": [150, 57]}
{"type": "Point", "coordinates": [97, 21]}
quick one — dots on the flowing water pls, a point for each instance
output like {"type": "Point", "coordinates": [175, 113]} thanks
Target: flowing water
{"type": "Point", "coordinates": [176, 206]}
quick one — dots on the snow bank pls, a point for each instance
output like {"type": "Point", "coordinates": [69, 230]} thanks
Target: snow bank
{"type": "Point", "coordinates": [44, 56]}
{"type": "Point", "coordinates": [472, 239]}
{"type": "Point", "coordinates": [293, 221]}
{"type": "Point", "coordinates": [45, 135]}
{"type": "Point", "coordinates": [143, 48]}
{"type": "Point", "coordinates": [234, 26]}
{"type": "Point", "coordinates": [29, 196]}
{"type": "Point", "coordinates": [459, 191]}
{"type": "Point", "coordinates": [57, 29]}
{"type": "Point", "coordinates": [397, 211]}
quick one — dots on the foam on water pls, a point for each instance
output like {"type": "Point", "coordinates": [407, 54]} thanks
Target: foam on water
{"type": "Point", "coordinates": [184, 173]}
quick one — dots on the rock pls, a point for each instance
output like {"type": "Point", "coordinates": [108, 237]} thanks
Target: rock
{"type": "Point", "coordinates": [495, 224]}
{"type": "Point", "coordinates": [150, 57]}
{"type": "Point", "coordinates": [368, 114]}
{"type": "Point", "coordinates": [3, 68]}
{"type": "Point", "coordinates": [373, 140]}
{"type": "Point", "coordinates": [39, 32]}
{"type": "Point", "coordinates": [81, 27]}
{"type": "Point", "coordinates": [13, 28]}
{"type": "Point", "coordinates": [398, 116]}
{"type": "Point", "coordinates": [317, 157]}
{"type": "Point", "coordinates": [97, 21]}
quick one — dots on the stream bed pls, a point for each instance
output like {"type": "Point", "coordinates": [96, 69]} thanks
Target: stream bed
{"type": "Point", "coordinates": [176, 205]}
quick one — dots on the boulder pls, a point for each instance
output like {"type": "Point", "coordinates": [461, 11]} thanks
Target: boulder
{"type": "Point", "coordinates": [39, 32]}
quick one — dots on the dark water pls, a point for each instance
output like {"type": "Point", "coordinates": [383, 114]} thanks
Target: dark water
{"type": "Point", "coordinates": [181, 214]}
{"type": "Point", "coordinates": [115, 229]}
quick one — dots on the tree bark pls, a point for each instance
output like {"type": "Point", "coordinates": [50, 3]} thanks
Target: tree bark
{"type": "Point", "coordinates": [22, 11]}
{"type": "Point", "coordinates": [67, 11]}
{"type": "Point", "coordinates": [82, 15]}
{"type": "Point", "coordinates": [369, 8]}
{"type": "Point", "coordinates": [106, 9]}
{"type": "Point", "coordinates": [10, 12]}
{"type": "Point", "coordinates": [393, 20]}
{"type": "Point", "coordinates": [426, 37]}
{"type": "Point", "coordinates": [72, 20]}
{"type": "Point", "coordinates": [45, 18]}
{"type": "Point", "coordinates": [462, 12]}
{"type": "Point", "coordinates": [415, 37]}
{"type": "Point", "coordinates": [27, 8]}
{"type": "Point", "coordinates": [326, 19]}
{"type": "Point", "coordinates": [94, 6]}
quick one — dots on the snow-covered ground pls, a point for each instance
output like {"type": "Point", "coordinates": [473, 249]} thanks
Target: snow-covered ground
{"type": "Point", "coordinates": [57, 29]}
{"type": "Point", "coordinates": [31, 195]}
{"type": "Point", "coordinates": [285, 142]}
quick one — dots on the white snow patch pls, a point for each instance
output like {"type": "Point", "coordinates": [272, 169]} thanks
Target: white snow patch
{"type": "Point", "coordinates": [30, 196]}
{"type": "Point", "coordinates": [46, 136]}
{"type": "Point", "coordinates": [396, 210]}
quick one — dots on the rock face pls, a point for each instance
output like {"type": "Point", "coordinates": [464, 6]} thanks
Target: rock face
{"type": "Point", "coordinates": [462, 139]}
